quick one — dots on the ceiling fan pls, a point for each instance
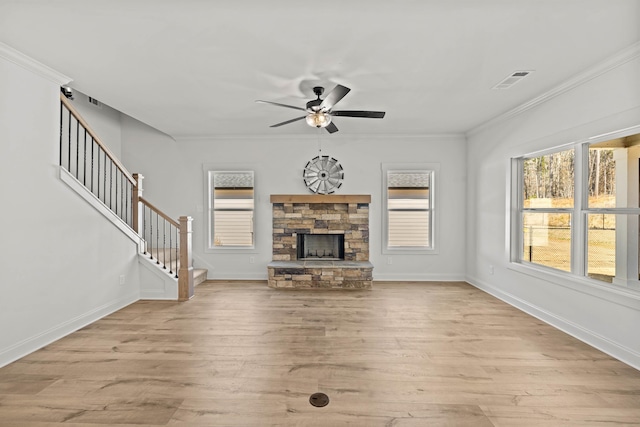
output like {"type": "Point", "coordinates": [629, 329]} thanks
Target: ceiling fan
{"type": "Point", "coordinates": [319, 113]}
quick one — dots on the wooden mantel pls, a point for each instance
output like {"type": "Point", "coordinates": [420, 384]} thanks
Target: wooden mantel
{"type": "Point", "coordinates": [320, 198]}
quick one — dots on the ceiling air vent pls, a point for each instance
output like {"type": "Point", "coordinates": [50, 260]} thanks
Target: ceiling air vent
{"type": "Point", "coordinates": [95, 102]}
{"type": "Point", "coordinates": [512, 79]}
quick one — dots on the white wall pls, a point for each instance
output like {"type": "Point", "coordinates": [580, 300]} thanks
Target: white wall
{"type": "Point", "coordinates": [104, 120]}
{"type": "Point", "coordinates": [604, 318]}
{"type": "Point", "coordinates": [60, 259]}
{"type": "Point", "coordinates": [174, 181]}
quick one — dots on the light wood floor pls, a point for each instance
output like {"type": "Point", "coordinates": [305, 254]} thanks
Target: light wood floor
{"type": "Point", "coordinates": [241, 354]}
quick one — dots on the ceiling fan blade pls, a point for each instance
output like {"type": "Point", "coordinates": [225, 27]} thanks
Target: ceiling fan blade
{"type": "Point", "coordinates": [282, 105]}
{"type": "Point", "coordinates": [287, 122]}
{"type": "Point", "coordinates": [331, 128]}
{"type": "Point", "coordinates": [334, 96]}
{"type": "Point", "coordinates": [357, 113]}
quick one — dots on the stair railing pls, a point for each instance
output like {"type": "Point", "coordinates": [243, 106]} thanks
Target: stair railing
{"type": "Point", "coordinates": [87, 158]}
{"type": "Point", "coordinates": [168, 242]}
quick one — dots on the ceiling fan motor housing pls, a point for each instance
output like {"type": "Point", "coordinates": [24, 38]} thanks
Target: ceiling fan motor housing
{"type": "Point", "coordinates": [314, 105]}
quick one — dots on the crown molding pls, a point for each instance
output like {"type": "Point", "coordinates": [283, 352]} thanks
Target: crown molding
{"type": "Point", "coordinates": [628, 54]}
{"type": "Point", "coordinates": [325, 138]}
{"type": "Point", "coordinates": [30, 64]}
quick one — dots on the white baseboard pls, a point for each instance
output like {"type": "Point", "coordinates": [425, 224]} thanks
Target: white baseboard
{"type": "Point", "coordinates": [376, 277]}
{"type": "Point", "coordinates": [613, 349]}
{"type": "Point", "coordinates": [417, 277]}
{"type": "Point", "coordinates": [156, 295]}
{"type": "Point", "coordinates": [36, 342]}
{"type": "Point", "coordinates": [240, 276]}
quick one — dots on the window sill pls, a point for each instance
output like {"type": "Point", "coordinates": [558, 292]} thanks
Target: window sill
{"type": "Point", "coordinates": [410, 251]}
{"type": "Point", "coordinates": [231, 250]}
{"type": "Point", "coordinates": [628, 296]}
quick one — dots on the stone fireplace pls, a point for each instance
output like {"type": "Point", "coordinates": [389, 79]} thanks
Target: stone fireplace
{"type": "Point", "coordinates": [320, 241]}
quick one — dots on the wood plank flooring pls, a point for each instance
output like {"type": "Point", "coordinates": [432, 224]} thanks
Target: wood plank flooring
{"type": "Point", "coordinates": [241, 354]}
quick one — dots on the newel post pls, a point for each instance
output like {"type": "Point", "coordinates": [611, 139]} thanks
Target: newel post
{"type": "Point", "coordinates": [185, 272]}
{"type": "Point", "coordinates": [135, 202]}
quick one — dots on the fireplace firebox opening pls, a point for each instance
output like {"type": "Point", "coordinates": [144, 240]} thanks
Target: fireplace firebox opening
{"type": "Point", "coordinates": [320, 246]}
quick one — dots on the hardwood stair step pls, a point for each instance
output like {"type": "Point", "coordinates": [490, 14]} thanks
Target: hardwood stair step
{"type": "Point", "coordinates": [199, 276]}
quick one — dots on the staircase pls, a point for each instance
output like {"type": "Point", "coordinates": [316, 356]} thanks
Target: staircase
{"type": "Point", "coordinates": [169, 260]}
{"type": "Point", "coordinates": [199, 276]}
{"type": "Point", "coordinates": [165, 242]}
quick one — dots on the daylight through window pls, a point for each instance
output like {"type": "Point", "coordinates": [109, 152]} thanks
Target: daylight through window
{"type": "Point", "coordinates": [578, 210]}
{"type": "Point", "coordinates": [548, 190]}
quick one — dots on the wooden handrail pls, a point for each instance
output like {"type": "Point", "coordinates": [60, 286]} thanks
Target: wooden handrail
{"type": "Point", "coordinates": [95, 137]}
{"type": "Point", "coordinates": [159, 212]}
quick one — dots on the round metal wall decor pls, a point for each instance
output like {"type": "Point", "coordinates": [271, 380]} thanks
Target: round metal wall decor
{"type": "Point", "coordinates": [323, 175]}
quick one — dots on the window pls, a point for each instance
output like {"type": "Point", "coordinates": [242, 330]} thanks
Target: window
{"type": "Point", "coordinates": [612, 209]}
{"type": "Point", "coordinates": [231, 208]}
{"type": "Point", "coordinates": [576, 210]}
{"type": "Point", "coordinates": [409, 209]}
{"type": "Point", "coordinates": [547, 209]}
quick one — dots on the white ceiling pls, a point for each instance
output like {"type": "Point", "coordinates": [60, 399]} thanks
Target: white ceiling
{"type": "Point", "coordinates": [193, 68]}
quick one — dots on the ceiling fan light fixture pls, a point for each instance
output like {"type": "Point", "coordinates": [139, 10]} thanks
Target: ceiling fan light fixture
{"type": "Point", "coordinates": [318, 119]}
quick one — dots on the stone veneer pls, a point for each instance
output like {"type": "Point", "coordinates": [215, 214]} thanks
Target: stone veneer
{"type": "Point", "coordinates": [320, 214]}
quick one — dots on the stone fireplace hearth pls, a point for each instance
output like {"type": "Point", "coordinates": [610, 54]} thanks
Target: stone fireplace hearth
{"type": "Point", "coordinates": [335, 232]}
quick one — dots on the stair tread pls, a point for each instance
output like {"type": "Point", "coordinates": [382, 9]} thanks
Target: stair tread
{"type": "Point", "coordinates": [199, 276]}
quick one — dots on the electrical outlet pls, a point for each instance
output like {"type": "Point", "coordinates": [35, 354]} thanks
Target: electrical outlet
{"type": "Point", "coordinates": [389, 260]}
{"type": "Point", "coordinates": [252, 260]}
{"type": "Point", "coordinates": [122, 279]}
{"type": "Point", "coordinates": [491, 269]}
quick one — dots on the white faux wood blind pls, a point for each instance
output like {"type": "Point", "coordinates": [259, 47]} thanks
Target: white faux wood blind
{"type": "Point", "coordinates": [233, 206]}
{"type": "Point", "coordinates": [408, 205]}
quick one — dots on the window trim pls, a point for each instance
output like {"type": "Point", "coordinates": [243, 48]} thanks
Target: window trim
{"type": "Point", "coordinates": [518, 209]}
{"type": "Point", "coordinates": [578, 277]}
{"type": "Point", "coordinates": [209, 170]}
{"type": "Point", "coordinates": [434, 208]}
